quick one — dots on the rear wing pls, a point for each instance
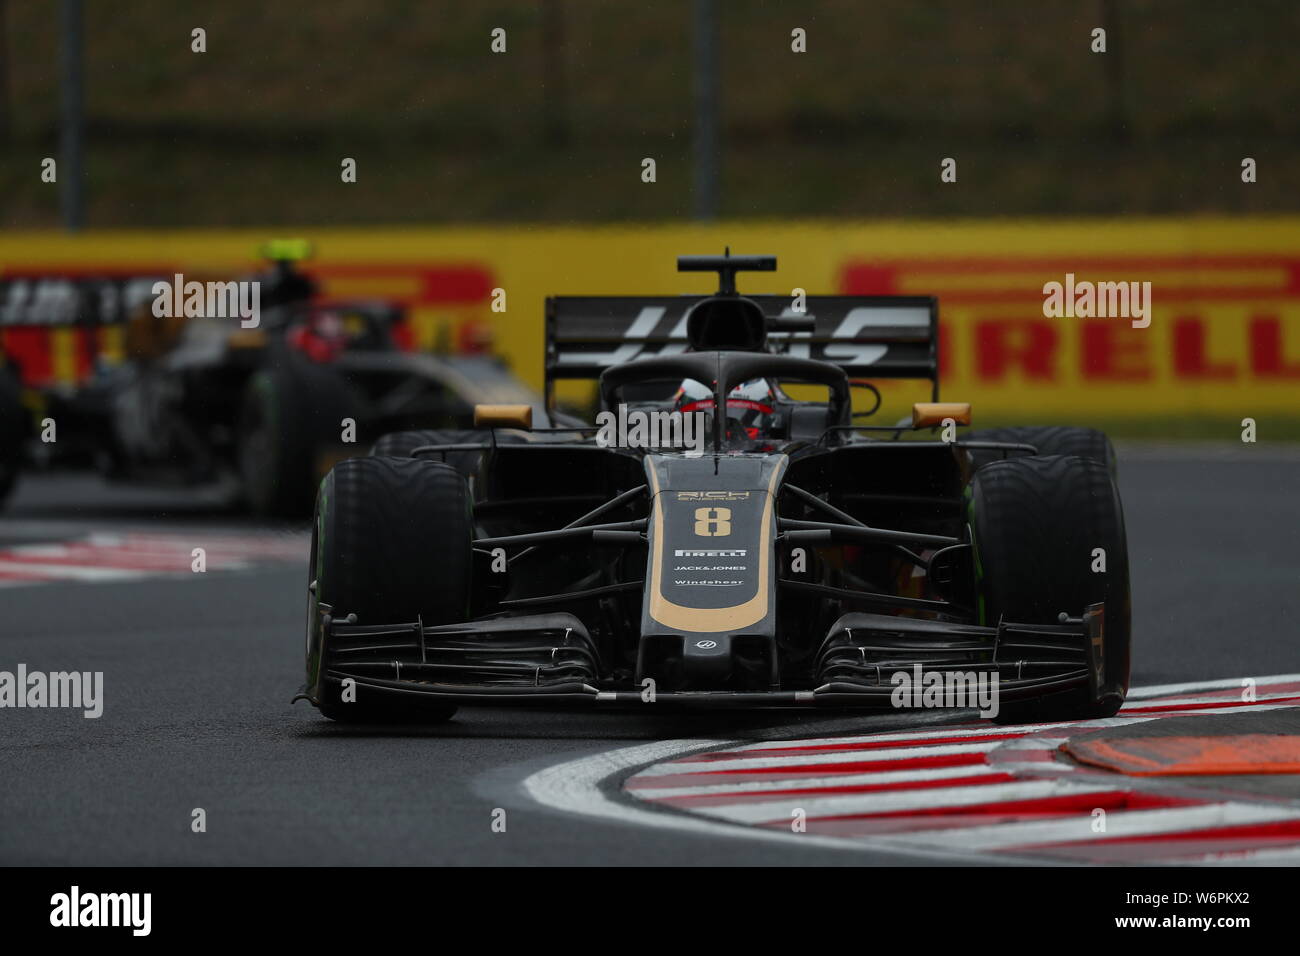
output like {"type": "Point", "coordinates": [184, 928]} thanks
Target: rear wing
{"type": "Point", "coordinates": [885, 336]}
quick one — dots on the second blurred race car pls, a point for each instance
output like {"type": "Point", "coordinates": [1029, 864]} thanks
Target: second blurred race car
{"type": "Point", "coordinates": [201, 398]}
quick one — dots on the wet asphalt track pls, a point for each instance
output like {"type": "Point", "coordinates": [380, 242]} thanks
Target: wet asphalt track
{"type": "Point", "coordinates": [199, 671]}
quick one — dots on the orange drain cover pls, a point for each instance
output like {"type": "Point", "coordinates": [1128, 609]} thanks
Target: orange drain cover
{"type": "Point", "coordinates": [1159, 756]}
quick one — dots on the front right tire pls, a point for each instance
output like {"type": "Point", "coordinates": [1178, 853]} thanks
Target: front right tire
{"type": "Point", "coordinates": [293, 411]}
{"type": "Point", "coordinates": [1049, 440]}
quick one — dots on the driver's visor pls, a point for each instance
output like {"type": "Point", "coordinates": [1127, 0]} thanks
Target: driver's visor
{"type": "Point", "coordinates": [706, 404]}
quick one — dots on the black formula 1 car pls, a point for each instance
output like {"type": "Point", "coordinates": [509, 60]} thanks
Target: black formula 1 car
{"type": "Point", "coordinates": [200, 398]}
{"type": "Point", "coordinates": [795, 558]}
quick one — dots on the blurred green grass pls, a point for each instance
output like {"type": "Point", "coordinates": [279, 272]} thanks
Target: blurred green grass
{"type": "Point", "coordinates": [252, 132]}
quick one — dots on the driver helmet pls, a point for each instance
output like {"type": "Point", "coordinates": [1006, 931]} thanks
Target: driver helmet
{"type": "Point", "coordinates": [321, 337]}
{"type": "Point", "coordinates": [750, 406]}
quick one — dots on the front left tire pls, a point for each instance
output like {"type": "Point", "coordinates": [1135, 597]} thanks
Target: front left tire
{"type": "Point", "coordinates": [293, 411]}
{"type": "Point", "coordinates": [1038, 526]}
{"type": "Point", "coordinates": [391, 543]}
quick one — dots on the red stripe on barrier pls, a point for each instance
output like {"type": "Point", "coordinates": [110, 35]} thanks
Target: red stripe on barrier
{"type": "Point", "coordinates": [742, 796]}
{"type": "Point", "coordinates": [700, 778]}
{"type": "Point", "coordinates": [1064, 804]}
{"type": "Point", "coordinates": [1195, 841]}
{"type": "Point", "coordinates": [866, 744]}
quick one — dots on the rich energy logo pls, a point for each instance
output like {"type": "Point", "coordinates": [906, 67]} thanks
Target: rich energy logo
{"type": "Point", "coordinates": [74, 908]}
{"type": "Point", "coordinates": [709, 552]}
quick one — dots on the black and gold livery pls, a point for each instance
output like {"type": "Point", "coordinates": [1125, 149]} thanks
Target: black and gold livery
{"type": "Point", "coordinates": [806, 565]}
{"type": "Point", "coordinates": [711, 580]}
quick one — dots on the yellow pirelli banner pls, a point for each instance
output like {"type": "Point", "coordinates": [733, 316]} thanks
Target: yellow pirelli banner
{"type": "Point", "coordinates": [1212, 325]}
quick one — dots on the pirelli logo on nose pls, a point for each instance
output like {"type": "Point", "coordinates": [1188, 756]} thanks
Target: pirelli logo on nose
{"type": "Point", "coordinates": [713, 496]}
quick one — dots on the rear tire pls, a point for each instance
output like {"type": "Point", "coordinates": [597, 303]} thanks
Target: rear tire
{"type": "Point", "coordinates": [1034, 523]}
{"type": "Point", "coordinates": [1086, 443]}
{"type": "Point", "coordinates": [391, 543]}
{"type": "Point", "coordinates": [292, 412]}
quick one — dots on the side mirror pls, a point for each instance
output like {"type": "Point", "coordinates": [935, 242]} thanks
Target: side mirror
{"type": "Point", "coordinates": [503, 416]}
